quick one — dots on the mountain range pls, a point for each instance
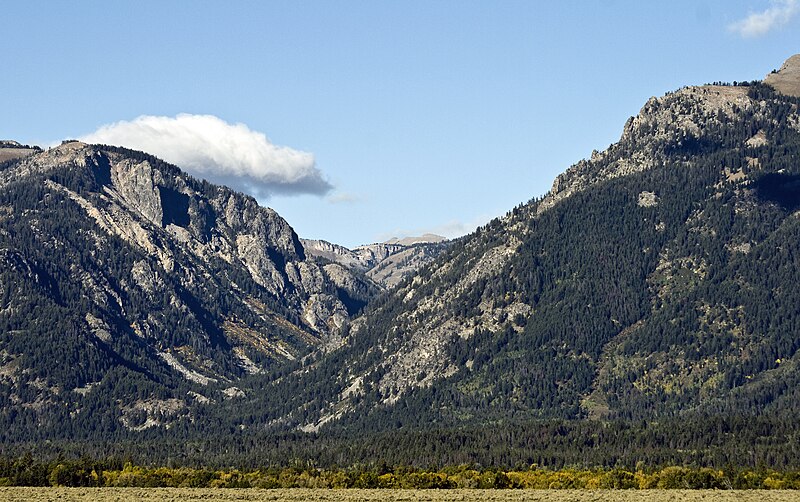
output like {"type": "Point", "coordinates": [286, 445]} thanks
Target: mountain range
{"type": "Point", "coordinates": [655, 283]}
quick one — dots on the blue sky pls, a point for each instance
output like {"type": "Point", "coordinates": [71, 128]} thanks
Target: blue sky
{"type": "Point", "coordinates": [383, 118]}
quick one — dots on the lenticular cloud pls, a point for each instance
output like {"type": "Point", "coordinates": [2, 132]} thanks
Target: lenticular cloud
{"type": "Point", "coordinates": [231, 154]}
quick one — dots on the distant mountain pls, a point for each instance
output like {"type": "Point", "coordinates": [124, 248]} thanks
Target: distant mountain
{"type": "Point", "coordinates": [422, 239]}
{"type": "Point", "coordinates": [386, 263]}
{"type": "Point", "coordinates": [131, 291]}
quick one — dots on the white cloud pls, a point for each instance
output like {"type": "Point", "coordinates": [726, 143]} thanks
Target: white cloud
{"type": "Point", "coordinates": [761, 23]}
{"type": "Point", "coordinates": [231, 154]}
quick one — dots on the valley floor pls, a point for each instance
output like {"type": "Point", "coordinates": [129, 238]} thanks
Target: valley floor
{"type": "Point", "coordinates": [322, 495]}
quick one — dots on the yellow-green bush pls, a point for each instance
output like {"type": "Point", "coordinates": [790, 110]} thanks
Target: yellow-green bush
{"type": "Point", "coordinates": [84, 472]}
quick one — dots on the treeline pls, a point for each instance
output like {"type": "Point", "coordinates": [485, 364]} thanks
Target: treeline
{"type": "Point", "coordinates": [90, 473]}
{"type": "Point", "coordinates": [744, 83]}
{"type": "Point", "coordinates": [746, 441]}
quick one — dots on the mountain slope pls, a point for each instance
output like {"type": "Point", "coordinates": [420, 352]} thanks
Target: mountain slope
{"type": "Point", "coordinates": [132, 292]}
{"type": "Point", "coordinates": [655, 279]}
{"type": "Point", "coordinates": [652, 291]}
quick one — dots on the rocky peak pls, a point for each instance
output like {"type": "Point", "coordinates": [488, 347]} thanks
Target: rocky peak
{"type": "Point", "coordinates": [675, 121]}
{"type": "Point", "coordinates": [74, 153]}
{"type": "Point", "coordinates": [333, 252]}
{"type": "Point", "coordinates": [787, 79]}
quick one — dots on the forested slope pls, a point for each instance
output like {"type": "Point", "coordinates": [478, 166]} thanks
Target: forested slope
{"type": "Point", "coordinates": [656, 279]}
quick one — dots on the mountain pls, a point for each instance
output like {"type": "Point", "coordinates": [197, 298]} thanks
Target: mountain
{"type": "Point", "coordinates": [645, 309]}
{"type": "Point", "coordinates": [655, 280]}
{"type": "Point", "coordinates": [386, 263]}
{"type": "Point", "coordinates": [131, 291]}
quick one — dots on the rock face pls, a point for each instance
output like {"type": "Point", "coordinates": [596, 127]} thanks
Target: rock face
{"type": "Point", "coordinates": [787, 79]}
{"type": "Point", "coordinates": [120, 267]}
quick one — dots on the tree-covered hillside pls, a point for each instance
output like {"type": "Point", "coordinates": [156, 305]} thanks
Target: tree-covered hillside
{"type": "Point", "coordinates": [656, 280]}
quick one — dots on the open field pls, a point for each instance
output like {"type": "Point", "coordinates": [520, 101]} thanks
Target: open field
{"type": "Point", "coordinates": [291, 495]}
